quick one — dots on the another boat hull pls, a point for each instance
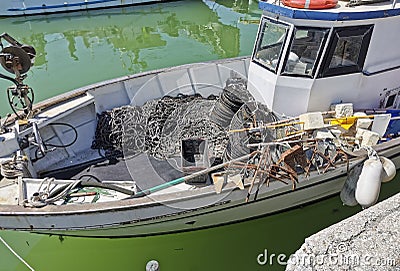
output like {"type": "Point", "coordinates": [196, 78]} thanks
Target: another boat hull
{"type": "Point", "coordinates": [35, 7]}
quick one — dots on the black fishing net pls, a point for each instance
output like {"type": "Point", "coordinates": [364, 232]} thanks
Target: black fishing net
{"type": "Point", "coordinates": [159, 126]}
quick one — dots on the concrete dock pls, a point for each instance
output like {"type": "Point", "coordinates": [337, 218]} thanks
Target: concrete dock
{"type": "Point", "coordinates": [369, 240]}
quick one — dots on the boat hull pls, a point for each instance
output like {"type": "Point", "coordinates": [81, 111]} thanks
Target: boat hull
{"type": "Point", "coordinates": [133, 219]}
{"type": "Point", "coordinates": [163, 213]}
{"type": "Point", "coordinates": [156, 215]}
{"type": "Point", "coordinates": [11, 8]}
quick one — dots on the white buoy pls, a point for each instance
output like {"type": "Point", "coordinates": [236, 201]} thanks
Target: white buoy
{"type": "Point", "coordinates": [152, 265]}
{"type": "Point", "coordinates": [369, 182]}
{"type": "Point", "coordinates": [347, 194]}
{"type": "Point", "coordinates": [389, 169]}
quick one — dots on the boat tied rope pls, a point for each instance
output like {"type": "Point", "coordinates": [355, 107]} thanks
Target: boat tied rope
{"type": "Point", "coordinates": [15, 167]}
{"type": "Point", "coordinates": [43, 197]}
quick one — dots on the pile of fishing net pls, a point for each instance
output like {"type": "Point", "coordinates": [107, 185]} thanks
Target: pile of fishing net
{"type": "Point", "coordinates": [159, 126]}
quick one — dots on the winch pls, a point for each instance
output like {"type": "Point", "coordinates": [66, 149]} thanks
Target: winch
{"type": "Point", "coordinates": [17, 58]}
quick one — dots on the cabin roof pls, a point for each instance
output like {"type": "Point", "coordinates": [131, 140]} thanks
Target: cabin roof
{"type": "Point", "coordinates": [340, 13]}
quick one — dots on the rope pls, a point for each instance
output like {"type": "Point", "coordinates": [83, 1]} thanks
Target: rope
{"type": "Point", "coordinates": [11, 170]}
{"type": "Point", "coordinates": [14, 168]}
{"type": "Point", "coordinates": [54, 146]}
{"type": "Point", "coordinates": [15, 254]}
{"type": "Point", "coordinates": [42, 198]}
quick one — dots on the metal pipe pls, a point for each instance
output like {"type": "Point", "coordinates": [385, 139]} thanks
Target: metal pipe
{"type": "Point", "coordinates": [10, 40]}
{"type": "Point", "coordinates": [9, 78]}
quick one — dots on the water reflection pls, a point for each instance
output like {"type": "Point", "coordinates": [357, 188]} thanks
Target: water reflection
{"type": "Point", "coordinates": [86, 47]}
{"type": "Point", "coordinates": [236, 5]}
{"type": "Point", "coordinates": [137, 28]}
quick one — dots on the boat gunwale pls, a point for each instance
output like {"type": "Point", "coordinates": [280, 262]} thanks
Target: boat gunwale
{"type": "Point", "coordinates": [184, 213]}
{"type": "Point", "coordinates": [41, 106]}
{"type": "Point", "coordinates": [161, 199]}
{"type": "Point", "coordinates": [152, 200]}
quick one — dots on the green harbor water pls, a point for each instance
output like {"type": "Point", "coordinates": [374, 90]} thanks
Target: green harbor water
{"type": "Point", "coordinates": [76, 49]}
{"type": "Point", "coordinates": [82, 48]}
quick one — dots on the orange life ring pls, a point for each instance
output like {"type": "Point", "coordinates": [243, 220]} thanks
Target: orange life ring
{"type": "Point", "coordinates": [310, 4]}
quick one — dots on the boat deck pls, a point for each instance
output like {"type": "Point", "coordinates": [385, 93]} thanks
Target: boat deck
{"type": "Point", "coordinates": [145, 170]}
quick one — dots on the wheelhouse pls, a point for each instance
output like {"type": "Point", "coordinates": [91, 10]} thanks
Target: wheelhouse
{"type": "Point", "coordinates": [345, 52]}
{"type": "Point", "coordinates": [301, 58]}
{"type": "Point", "coordinates": [289, 50]}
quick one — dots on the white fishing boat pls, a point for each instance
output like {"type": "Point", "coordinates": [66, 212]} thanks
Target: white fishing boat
{"type": "Point", "coordinates": [35, 7]}
{"type": "Point", "coordinates": [208, 144]}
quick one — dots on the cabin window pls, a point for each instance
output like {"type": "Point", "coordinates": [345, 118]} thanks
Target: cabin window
{"type": "Point", "coordinates": [270, 43]}
{"type": "Point", "coordinates": [347, 50]}
{"type": "Point", "coordinates": [305, 50]}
